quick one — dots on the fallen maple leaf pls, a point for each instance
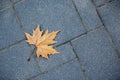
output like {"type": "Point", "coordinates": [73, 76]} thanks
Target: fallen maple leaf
{"type": "Point", "coordinates": [42, 42]}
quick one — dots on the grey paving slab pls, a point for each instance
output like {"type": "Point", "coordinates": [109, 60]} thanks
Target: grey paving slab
{"type": "Point", "coordinates": [4, 3]}
{"type": "Point", "coordinates": [100, 2]}
{"type": "Point", "coordinates": [52, 15]}
{"type": "Point", "coordinates": [14, 64]}
{"type": "Point", "coordinates": [10, 31]}
{"type": "Point", "coordinates": [88, 13]}
{"type": "Point", "coordinates": [97, 56]}
{"type": "Point", "coordinates": [110, 15]}
{"type": "Point", "coordinates": [65, 54]}
{"type": "Point", "coordinates": [69, 71]}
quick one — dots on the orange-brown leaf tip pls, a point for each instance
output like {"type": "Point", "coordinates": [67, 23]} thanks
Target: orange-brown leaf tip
{"type": "Point", "coordinates": [28, 36]}
{"type": "Point", "coordinates": [38, 27]}
{"type": "Point", "coordinates": [46, 32]}
{"type": "Point", "coordinates": [25, 33]}
{"type": "Point", "coordinates": [47, 58]}
{"type": "Point", "coordinates": [37, 55]}
{"type": "Point", "coordinates": [33, 31]}
{"type": "Point", "coordinates": [57, 31]}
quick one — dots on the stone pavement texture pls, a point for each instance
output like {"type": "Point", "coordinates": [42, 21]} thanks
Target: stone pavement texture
{"type": "Point", "coordinates": [89, 41]}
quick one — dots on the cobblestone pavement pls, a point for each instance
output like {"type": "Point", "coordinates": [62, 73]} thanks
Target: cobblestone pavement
{"type": "Point", "coordinates": [89, 41]}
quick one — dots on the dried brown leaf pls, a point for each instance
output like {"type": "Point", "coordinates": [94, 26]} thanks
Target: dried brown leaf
{"type": "Point", "coordinates": [42, 42]}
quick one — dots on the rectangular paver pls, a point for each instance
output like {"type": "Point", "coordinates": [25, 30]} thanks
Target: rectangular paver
{"type": "Point", "coordinates": [110, 14]}
{"type": "Point", "coordinates": [97, 56]}
{"type": "Point", "coordinates": [10, 31]}
{"type": "Point", "coordinates": [65, 54]}
{"type": "Point", "coordinates": [14, 64]}
{"type": "Point", "coordinates": [88, 13]}
{"type": "Point", "coordinates": [69, 71]}
{"type": "Point", "coordinates": [52, 15]}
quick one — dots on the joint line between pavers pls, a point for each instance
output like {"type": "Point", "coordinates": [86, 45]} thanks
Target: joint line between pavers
{"type": "Point", "coordinates": [112, 42]}
{"type": "Point", "coordinates": [81, 66]}
{"type": "Point", "coordinates": [9, 46]}
{"type": "Point", "coordinates": [70, 39]}
{"type": "Point", "coordinates": [17, 17]}
{"type": "Point", "coordinates": [108, 34]}
{"type": "Point", "coordinates": [58, 66]}
{"type": "Point", "coordinates": [96, 28]}
{"type": "Point", "coordinates": [85, 33]}
{"type": "Point", "coordinates": [52, 69]}
{"type": "Point", "coordinates": [101, 5]}
{"type": "Point", "coordinates": [74, 5]}
{"type": "Point", "coordinates": [39, 65]}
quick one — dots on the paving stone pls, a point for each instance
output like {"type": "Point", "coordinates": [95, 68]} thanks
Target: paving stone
{"type": "Point", "coordinates": [65, 54]}
{"type": "Point", "coordinates": [88, 13]}
{"type": "Point", "coordinates": [10, 31]}
{"type": "Point", "coordinates": [14, 64]}
{"type": "Point", "coordinates": [101, 2]}
{"type": "Point", "coordinates": [97, 56]}
{"type": "Point", "coordinates": [69, 71]}
{"type": "Point", "coordinates": [110, 16]}
{"type": "Point", "coordinates": [4, 3]}
{"type": "Point", "coordinates": [52, 15]}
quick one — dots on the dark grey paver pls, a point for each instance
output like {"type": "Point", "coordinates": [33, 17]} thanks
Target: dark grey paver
{"type": "Point", "coordinates": [10, 31]}
{"type": "Point", "coordinates": [69, 71]}
{"type": "Point", "coordinates": [97, 56]}
{"type": "Point", "coordinates": [110, 15]}
{"type": "Point", "coordinates": [14, 64]}
{"type": "Point", "coordinates": [65, 54]}
{"type": "Point", "coordinates": [52, 15]}
{"type": "Point", "coordinates": [88, 13]}
{"type": "Point", "coordinates": [100, 2]}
